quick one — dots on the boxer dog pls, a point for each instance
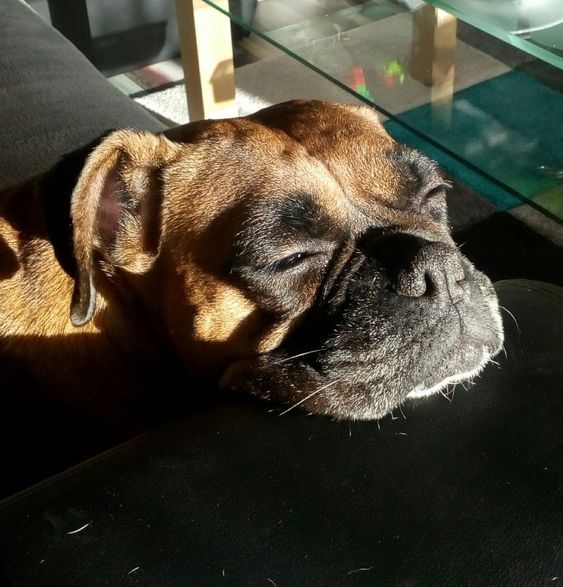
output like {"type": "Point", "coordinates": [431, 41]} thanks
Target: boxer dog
{"type": "Point", "coordinates": [299, 254]}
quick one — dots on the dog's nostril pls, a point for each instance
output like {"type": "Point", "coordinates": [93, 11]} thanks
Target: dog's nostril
{"type": "Point", "coordinates": [417, 267]}
{"type": "Point", "coordinates": [418, 281]}
{"type": "Point", "coordinates": [432, 286]}
{"type": "Point", "coordinates": [435, 271]}
{"type": "Point", "coordinates": [413, 283]}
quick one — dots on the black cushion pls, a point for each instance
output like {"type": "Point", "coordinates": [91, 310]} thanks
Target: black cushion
{"type": "Point", "coordinates": [463, 490]}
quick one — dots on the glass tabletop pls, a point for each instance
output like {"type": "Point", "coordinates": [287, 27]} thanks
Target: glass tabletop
{"type": "Point", "coordinates": [476, 84]}
{"type": "Point", "coordinates": [535, 26]}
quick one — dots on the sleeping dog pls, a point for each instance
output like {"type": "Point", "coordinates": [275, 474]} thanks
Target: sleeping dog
{"type": "Point", "coordinates": [299, 254]}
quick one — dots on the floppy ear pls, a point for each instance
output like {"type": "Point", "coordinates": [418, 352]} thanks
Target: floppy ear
{"type": "Point", "coordinates": [115, 210]}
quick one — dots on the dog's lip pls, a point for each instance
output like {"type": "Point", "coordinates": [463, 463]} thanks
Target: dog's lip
{"type": "Point", "coordinates": [333, 392]}
{"type": "Point", "coordinates": [423, 391]}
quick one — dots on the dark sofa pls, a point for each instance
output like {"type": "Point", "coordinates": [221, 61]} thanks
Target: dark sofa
{"type": "Point", "coordinates": [464, 490]}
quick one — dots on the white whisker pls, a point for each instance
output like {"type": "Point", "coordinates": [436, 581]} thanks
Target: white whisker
{"type": "Point", "coordinates": [309, 396]}
{"type": "Point", "coordinates": [512, 316]}
{"type": "Point", "coordinates": [450, 391]}
{"type": "Point", "coordinates": [297, 356]}
{"type": "Point", "coordinates": [446, 396]}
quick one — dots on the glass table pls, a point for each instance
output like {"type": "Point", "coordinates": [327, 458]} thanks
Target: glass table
{"type": "Point", "coordinates": [476, 84]}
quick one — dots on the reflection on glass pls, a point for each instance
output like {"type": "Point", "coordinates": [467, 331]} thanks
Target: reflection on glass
{"type": "Point", "coordinates": [494, 104]}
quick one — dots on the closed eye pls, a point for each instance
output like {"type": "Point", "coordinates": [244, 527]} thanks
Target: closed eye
{"type": "Point", "coordinates": [290, 261]}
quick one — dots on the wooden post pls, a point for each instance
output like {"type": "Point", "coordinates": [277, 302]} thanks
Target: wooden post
{"type": "Point", "coordinates": [207, 58]}
{"type": "Point", "coordinates": [433, 53]}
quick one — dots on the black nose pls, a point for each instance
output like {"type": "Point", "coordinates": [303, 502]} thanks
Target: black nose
{"type": "Point", "coordinates": [417, 267]}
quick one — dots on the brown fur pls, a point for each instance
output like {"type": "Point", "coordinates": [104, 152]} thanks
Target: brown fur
{"type": "Point", "coordinates": [154, 218]}
{"type": "Point", "coordinates": [354, 147]}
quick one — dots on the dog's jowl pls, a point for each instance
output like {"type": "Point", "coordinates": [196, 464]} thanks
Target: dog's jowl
{"type": "Point", "coordinates": [299, 254]}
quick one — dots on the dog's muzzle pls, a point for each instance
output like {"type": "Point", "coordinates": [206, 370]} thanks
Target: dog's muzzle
{"type": "Point", "coordinates": [405, 317]}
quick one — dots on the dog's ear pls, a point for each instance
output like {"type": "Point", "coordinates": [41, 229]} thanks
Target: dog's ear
{"type": "Point", "coordinates": [115, 210]}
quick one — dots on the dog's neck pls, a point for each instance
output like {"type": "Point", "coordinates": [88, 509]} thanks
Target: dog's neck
{"type": "Point", "coordinates": [54, 193]}
{"type": "Point", "coordinates": [36, 284]}
{"type": "Point", "coordinates": [37, 269]}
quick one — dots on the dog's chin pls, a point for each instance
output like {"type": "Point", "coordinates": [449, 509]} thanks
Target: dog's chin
{"type": "Point", "coordinates": [373, 361]}
{"type": "Point", "coordinates": [429, 388]}
{"type": "Point", "coordinates": [345, 393]}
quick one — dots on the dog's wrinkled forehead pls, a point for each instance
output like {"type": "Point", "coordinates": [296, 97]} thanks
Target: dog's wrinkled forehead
{"type": "Point", "coordinates": [350, 141]}
{"type": "Point", "coordinates": [243, 156]}
{"type": "Point", "coordinates": [303, 146]}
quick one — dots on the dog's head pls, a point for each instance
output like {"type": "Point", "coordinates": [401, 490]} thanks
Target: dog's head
{"type": "Point", "coordinates": [299, 254]}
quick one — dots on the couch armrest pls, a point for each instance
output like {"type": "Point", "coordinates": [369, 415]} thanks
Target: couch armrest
{"type": "Point", "coordinates": [52, 99]}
